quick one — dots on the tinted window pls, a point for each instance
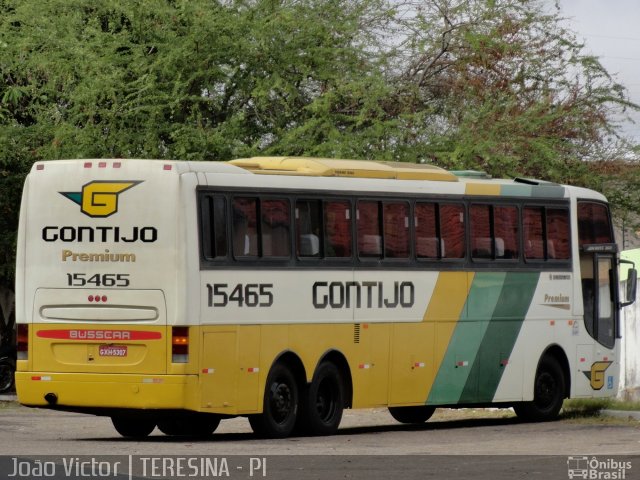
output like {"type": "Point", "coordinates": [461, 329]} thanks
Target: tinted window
{"type": "Point", "coordinates": [214, 227]}
{"type": "Point", "coordinates": [532, 223]}
{"type": "Point", "coordinates": [594, 225]}
{"type": "Point", "coordinates": [245, 227]}
{"type": "Point", "coordinates": [452, 230]}
{"type": "Point", "coordinates": [308, 228]}
{"type": "Point", "coordinates": [481, 237]}
{"type": "Point", "coordinates": [396, 230]}
{"type": "Point", "coordinates": [506, 232]}
{"type": "Point", "coordinates": [368, 226]}
{"type": "Point", "coordinates": [337, 221]}
{"type": "Point", "coordinates": [427, 240]}
{"type": "Point", "coordinates": [276, 222]}
{"type": "Point", "coordinates": [558, 241]}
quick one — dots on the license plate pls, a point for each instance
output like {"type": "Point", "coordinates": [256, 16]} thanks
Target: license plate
{"type": "Point", "coordinates": [113, 351]}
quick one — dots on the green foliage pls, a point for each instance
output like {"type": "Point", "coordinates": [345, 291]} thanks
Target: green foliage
{"type": "Point", "coordinates": [496, 85]}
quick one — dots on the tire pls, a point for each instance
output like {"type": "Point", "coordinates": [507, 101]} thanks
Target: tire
{"type": "Point", "coordinates": [133, 427]}
{"type": "Point", "coordinates": [415, 415]}
{"type": "Point", "coordinates": [280, 405]}
{"type": "Point", "coordinates": [548, 393]}
{"type": "Point", "coordinates": [7, 375]}
{"type": "Point", "coordinates": [323, 402]}
{"type": "Point", "coordinates": [189, 425]}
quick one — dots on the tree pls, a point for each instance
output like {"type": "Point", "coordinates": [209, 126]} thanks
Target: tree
{"type": "Point", "coordinates": [499, 85]}
{"type": "Point", "coordinates": [508, 88]}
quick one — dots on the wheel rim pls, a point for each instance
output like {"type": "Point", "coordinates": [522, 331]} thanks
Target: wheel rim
{"type": "Point", "coordinates": [326, 401]}
{"type": "Point", "coordinates": [281, 402]}
{"type": "Point", "coordinates": [546, 390]}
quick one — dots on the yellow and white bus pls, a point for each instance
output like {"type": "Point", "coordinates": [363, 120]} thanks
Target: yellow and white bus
{"type": "Point", "coordinates": [175, 294]}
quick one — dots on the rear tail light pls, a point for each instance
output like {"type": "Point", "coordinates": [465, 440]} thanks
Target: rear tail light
{"type": "Point", "coordinates": [22, 346]}
{"type": "Point", "coordinates": [179, 344]}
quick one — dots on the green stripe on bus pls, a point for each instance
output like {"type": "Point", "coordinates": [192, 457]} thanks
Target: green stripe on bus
{"type": "Point", "coordinates": [499, 337]}
{"type": "Point", "coordinates": [465, 342]}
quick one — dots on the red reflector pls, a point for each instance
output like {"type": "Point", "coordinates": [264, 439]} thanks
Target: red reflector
{"type": "Point", "coordinates": [102, 165]}
{"type": "Point", "coordinates": [40, 167]}
{"type": "Point", "coordinates": [22, 341]}
{"type": "Point", "coordinates": [87, 164]}
{"type": "Point", "coordinates": [166, 167]}
{"type": "Point", "coordinates": [117, 164]}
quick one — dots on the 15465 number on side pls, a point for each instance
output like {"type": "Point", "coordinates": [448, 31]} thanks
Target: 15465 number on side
{"type": "Point", "coordinates": [244, 295]}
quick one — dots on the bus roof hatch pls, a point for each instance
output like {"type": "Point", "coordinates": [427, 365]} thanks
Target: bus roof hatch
{"type": "Point", "coordinates": [325, 167]}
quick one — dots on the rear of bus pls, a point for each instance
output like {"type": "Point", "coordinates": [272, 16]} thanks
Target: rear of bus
{"type": "Point", "coordinates": [96, 281]}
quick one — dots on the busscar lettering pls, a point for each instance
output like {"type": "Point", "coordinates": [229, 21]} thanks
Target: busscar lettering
{"type": "Point", "coordinates": [99, 234]}
{"type": "Point", "coordinates": [368, 294]}
{"type": "Point", "coordinates": [99, 335]}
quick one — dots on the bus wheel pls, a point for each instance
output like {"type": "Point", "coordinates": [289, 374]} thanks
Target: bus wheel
{"type": "Point", "coordinates": [324, 401]}
{"type": "Point", "coordinates": [191, 426]}
{"type": "Point", "coordinates": [7, 374]}
{"type": "Point", "coordinates": [417, 414]}
{"type": "Point", "coordinates": [548, 393]}
{"type": "Point", "coordinates": [280, 405]}
{"type": "Point", "coordinates": [132, 427]}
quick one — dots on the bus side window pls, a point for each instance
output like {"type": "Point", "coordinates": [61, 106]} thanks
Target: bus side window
{"type": "Point", "coordinates": [245, 227]}
{"type": "Point", "coordinates": [396, 230]}
{"type": "Point", "coordinates": [337, 222]}
{"type": "Point", "coordinates": [452, 230]}
{"type": "Point", "coordinates": [481, 238]}
{"type": "Point", "coordinates": [214, 227]}
{"type": "Point", "coordinates": [533, 233]}
{"type": "Point", "coordinates": [275, 227]}
{"type": "Point", "coordinates": [368, 227]}
{"type": "Point", "coordinates": [308, 227]}
{"type": "Point", "coordinates": [427, 240]}
{"type": "Point", "coordinates": [558, 245]}
{"type": "Point", "coordinates": [506, 231]}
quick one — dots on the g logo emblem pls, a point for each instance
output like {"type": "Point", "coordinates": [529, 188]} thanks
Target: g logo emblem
{"type": "Point", "coordinates": [596, 375]}
{"type": "Point", "coordinates": [99, 199]}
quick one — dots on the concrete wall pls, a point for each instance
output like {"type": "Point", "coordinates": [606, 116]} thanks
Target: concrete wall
{"type": "Point", "coordinates": [630, 352]}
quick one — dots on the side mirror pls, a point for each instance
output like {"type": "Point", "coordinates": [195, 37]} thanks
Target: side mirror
{"type": "Point", "coordinates": [632, 284]}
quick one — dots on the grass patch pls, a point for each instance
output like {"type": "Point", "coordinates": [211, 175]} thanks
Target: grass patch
{"type": "Point", "coordinates": [585, 407]}
{"type": "Point", "coordinates": [624, 405]}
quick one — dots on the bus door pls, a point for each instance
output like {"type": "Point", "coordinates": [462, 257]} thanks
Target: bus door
{"type": "Point", "coordinates": [596, 369]}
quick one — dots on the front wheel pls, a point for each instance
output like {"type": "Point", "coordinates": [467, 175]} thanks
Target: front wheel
{"type": "Point", "coordinates": [548, 393]}
{"type": "Point", "coordinates": [280, 405]}
{"type": "Point", "coordinates": [415, 415]}
{"type": "Point", "coordinates": [133, 427]}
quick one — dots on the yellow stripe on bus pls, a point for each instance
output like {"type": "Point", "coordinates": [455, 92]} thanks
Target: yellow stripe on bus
{"type": "Point", "coordinates": [482, 189]}
{"type": "Point", "coordinates": [445, 309]}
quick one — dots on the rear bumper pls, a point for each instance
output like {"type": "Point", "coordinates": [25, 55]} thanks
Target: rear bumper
{"type": "Point", "coordinates": [80, 391]}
